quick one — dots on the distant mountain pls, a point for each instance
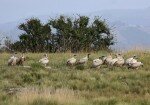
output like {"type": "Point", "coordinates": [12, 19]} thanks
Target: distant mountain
{"type": "Point", "coordinates": [131, 27]}
{"type": "Point", "coordinates": [10, 30]}
{"type": "Point", "coordinates": [129, 37]}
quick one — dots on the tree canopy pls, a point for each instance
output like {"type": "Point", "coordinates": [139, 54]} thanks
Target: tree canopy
{"type": "Point", "coordinates": [64, 34]}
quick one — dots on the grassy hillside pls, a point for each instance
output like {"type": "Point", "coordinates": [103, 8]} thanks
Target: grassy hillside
{"type": "Point", "coordinates": [74, 86]}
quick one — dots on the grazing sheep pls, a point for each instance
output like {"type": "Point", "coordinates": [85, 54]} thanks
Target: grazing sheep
{"type": "Point", "coordinates": [20, 60]}
{"type": "Point", "coordinates": [12, 60]}
{"type": "Point", "coordinates": [131, 60]}
{"type": "Point", "coordinates": [98, 62]}
{"type": "Point", "coordinates": [71, 61]}
{"type": "Point", "coordinates": [44, 60]}
{"type": "Point", "coordinates": [83, 60]}
{"type": "Point", "coordinates": [135, 65]}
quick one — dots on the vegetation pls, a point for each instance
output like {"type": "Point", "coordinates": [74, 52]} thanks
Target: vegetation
{"type": "Point", "coordinates": [64, 34]}
{"type": "Point", "coordinates": [63, 85]}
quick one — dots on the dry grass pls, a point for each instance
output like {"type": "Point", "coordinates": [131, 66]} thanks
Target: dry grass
{"type": "Point", "coordinates": [63, 85]}
{"type": "Point", "coordinates": [61, 96]}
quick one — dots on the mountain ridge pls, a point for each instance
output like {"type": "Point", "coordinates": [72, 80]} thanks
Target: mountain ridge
{"type": "Point", "coordinates": [130, 26]}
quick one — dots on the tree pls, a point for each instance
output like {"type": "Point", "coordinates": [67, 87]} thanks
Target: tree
{"type": "Point", "coordinates": [65, 34]}
{"type": "Point", "coordinates": [36, 35]}
{"type": "Point", "coordinates": [103, 38]}
{"type": "Point", "coordinates": [79, 34]}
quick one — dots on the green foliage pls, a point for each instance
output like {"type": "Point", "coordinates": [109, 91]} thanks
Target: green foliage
{"type": "Point", "coordinates": [35, 37]}
{"type": "Point", "coordinates": [64, 34]}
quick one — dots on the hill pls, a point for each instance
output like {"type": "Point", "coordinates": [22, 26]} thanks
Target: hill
{"type": "Point", "coordinates": [62, 85]}
{"type": "Point", "coordinates": [130, 26]}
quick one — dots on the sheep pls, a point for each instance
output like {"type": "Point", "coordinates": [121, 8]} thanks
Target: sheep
{"type": "Point", "coordinates": [12, 60]}
{"type": "Point", "coordinates": [83, 60]}
{"type": "Point", "coordinates": [71, 61]}
{"type": "Point", "coordinates": [44, 60]}
{"type": "Point", "coordinates": [135, 65]}
{"type": "Point", "coordinates": [98, 62]}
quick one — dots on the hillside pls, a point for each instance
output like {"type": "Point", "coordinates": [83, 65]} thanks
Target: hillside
{"type": "Point", "coordinates": [62, 85]}
{"type": "Point", "coordinates": [131, 36]}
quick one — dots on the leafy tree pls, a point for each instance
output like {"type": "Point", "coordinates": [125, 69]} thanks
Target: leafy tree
{"type": "Point", "coordinates": [102, 36]}
{"type": "Point", "coordinates": [79, 34]}
{"type": "Point", "coordinates": [65, 34]}
{"type": "Point", "coordinates": [36, 35]}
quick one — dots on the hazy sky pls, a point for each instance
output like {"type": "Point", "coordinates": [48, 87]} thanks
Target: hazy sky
{"type": "Point", "coordinates": [12, 10]}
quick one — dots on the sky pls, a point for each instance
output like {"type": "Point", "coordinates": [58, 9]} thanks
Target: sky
{"type": "Point", "coordinates": [13, 10]}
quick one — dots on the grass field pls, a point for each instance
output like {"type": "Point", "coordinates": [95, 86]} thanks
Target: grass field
{"type": "Point", "coordinates": [63, 85]}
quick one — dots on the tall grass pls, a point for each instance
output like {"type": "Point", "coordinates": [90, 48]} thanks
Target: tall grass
{"type": "Point", "coordinates": [63, 85]}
